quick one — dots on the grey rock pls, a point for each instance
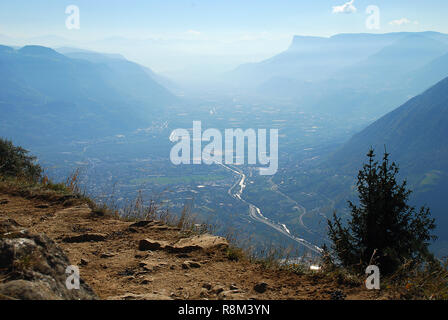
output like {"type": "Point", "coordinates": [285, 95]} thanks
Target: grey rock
{"type": "Point", "coordinates": [36, 267]}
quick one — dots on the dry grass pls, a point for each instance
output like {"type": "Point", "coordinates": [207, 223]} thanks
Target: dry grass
{"type": "Point", "coordinates": [32, 190]}
{"type": "Point", "coordinates": [413, 281]}
{"type": "Point", "coordinates": [420, 281]}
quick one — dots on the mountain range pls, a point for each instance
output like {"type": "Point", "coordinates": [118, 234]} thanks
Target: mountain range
{"type": "Point", "coordinates": [75, 95]}
{"type": "Point", "coordinates": [349, 74]}
{"type": "Point", "coordinates": [69, 94]}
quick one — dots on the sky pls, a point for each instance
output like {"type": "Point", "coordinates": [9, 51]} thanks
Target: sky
{"type": "Point", "coordinates": [169, 35]}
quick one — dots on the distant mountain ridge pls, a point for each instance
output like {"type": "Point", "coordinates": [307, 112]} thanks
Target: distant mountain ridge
{"type": "Point", "coordinates": [59, 96]}
{"type": "Point", "coordinates": [116, 61]}
{"type": "Point", "coordinates": [348, 74]}
{"type": "Point", "coordinates": [342, 50]}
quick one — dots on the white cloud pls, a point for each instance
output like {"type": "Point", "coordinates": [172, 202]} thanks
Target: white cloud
{"type": "Point", "coordinates": [400, 22]}
{"type": "Point", "coordinates": [347, 7]}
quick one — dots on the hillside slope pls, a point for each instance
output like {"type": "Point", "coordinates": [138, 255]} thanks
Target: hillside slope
{"type": "Point", "coordinates": [148, 260]}
{"type": "Point", "coordinates": [415, 134]}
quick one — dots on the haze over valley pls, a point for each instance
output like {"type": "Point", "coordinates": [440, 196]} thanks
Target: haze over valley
{"type": "Point", "coordinates": [89, 106]}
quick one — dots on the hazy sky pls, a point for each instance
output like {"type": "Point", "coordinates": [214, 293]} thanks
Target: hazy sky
{"type": "Point", "coordinates": [241, 30]}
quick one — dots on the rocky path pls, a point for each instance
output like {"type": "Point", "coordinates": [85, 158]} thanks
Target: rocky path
{"type": "Point", "coordinates": [149, 260]}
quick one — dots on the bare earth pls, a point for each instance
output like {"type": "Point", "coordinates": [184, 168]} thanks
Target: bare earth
{"type": "Point", "coordinates": [112, 264]}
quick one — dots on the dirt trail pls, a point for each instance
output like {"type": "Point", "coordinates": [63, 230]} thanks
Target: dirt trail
{"type": "Point", "coordinates": [114, 267]}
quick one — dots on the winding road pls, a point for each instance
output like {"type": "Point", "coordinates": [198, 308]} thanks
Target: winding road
{"type": "Point", "coordinates": [256, 214]}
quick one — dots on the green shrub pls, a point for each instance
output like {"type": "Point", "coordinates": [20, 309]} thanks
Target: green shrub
{"type": "Point", "coordinates": [15, 162]}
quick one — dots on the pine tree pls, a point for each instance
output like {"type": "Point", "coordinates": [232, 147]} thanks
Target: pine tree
{"type": "Point", "coordinates": [383, 229]}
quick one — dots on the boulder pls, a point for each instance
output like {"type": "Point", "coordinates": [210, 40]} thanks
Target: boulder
{"type": "Point", "coordinates": [203, 242]}
{"type": "Point", "coordinates": [35, 267]}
